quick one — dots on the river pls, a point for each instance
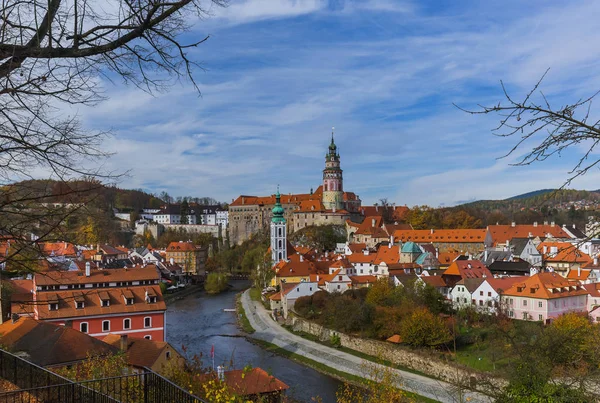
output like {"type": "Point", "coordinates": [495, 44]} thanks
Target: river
{"type": "Point", "coordinates": [198, 322]}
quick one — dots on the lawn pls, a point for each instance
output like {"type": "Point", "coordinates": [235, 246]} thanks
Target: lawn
{"type": "Point", "coordinates": [243, 320]}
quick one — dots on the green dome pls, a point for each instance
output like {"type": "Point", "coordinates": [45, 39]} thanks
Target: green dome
{"type": "Point", "coordinates": [278, 210]}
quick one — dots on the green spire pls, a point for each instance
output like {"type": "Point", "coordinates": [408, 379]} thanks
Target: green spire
{"type": "Point", "coordinates": [278, 210]}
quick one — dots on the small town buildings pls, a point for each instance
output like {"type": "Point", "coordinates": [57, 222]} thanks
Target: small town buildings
{"type": "Point", "coordinates": [97, 302]}
{"type": "Point", "coordinates": [290, 292]}
{"type": "Point", "coordinates": [543, 297]}
{"type": "Point", "coordinates": [593, 299]}
{"type": "Point", "coordinates": [487, 295]}
{"type": "Point", "coordinates": [337, 282]}
{"type": "Point", "coordinates": [143, 353]}
{"type": "Point", "coordinates": [462, 292]}
{"type": "Point", "coordinates": [295, 269]}
{"type": "Point", "coordinates": [512, 268]}
{"type": "Point", "coordinates": [504, 233]}
{"type": "Point", "coordinates": [189, 256]}
{"type": "Point", "coordinates": [524, 249]}
{"type": "Point", "coordinates": [463, 269]}
{"type": "Point", "coordinates": [464, 240]}
{"type": "Point", "coordinates": [562, 256]}
{"type": "Point", "coordinates": [48, 344]}
{"type": "Point", "coordinates": [171, 214]}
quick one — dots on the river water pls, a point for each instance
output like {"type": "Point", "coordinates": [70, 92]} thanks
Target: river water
{"type": "Point", "coordinates": [198, 323]}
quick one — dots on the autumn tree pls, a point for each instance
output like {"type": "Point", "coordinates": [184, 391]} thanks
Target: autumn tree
{"type": "Point", "coordinates": [424, 329]}
{"type": "Point", "coordinates": [53, 55]}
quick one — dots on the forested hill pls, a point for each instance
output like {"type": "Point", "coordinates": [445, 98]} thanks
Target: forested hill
{"type": "Point", "coordinates": [562, 206]}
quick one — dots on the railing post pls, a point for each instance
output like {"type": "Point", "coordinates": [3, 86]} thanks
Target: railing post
{"type": "Point", "coordinates": [145, 380]}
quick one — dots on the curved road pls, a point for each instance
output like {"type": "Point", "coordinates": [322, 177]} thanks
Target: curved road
{"type": "Point", "coordinates": [267, 329]}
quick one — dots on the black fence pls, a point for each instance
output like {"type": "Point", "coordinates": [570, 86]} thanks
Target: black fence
{"type": "Point", "coordinates": [34, 384]}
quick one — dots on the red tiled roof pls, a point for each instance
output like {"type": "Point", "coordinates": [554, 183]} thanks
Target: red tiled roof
{"type": "Point", "coordinates": [363, 279]}
{"type": "Point", "coordinates": [434, 281]}
{"type": "Point", "coordinates": [399, 212]}
{"type": "Point", "coordinates": [181, 247]}
{"type": "Point", "coordinates": [593, 289]}
{"type": "Point", "coordinates": [92, 307]}
{"type": "Point", "coordinates": [565, 252]}
{"type": "Point", "coordinates": [308, 206]}
{"type": "Point", "coordinates": [546, 285]}
{"type": "Point", "coordinates": [97, 276]}
{"type": "Point", "coordinates": [442, 235]}
{"type": "Point", "coordinates": [504, 283]}
{"type": "Point", "coordinates": [294, 267]}
{"type": "Point", "coordinates": [357, 247]}
{"type": "Point", "coordinates": [58, 248]}
{"type": "Point", "coordinates": [249, 382]}
{"type": "Point", "coordinates": [581, 275]}
{"type": "Point", "coordinates": [387, 254]}
{"type": "Point", "coordinates": [502, 233]}
{"type": "Point", "coordinates": [468, 269]}
{"type": "Point", "coordinates": [370, 225]}
{"type": "Point", "coordinates": [141, 353]}
{"type": "Point", "coordinates": [360, 257]}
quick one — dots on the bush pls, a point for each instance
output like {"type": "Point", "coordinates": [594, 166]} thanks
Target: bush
{"type": "Point", "coordinates": [335, 340]}
{"type": "Point", "coordinates": [424, 329]}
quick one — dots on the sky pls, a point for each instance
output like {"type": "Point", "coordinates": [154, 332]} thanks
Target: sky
{"type": "Point", "coordinates": [279, 74]}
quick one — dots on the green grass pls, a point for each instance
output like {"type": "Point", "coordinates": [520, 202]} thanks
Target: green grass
{"type": "Point", "coordinates": [353, 379]}
{"type": "Point", "coordinates": [480, 358]}
{"type": "Point", "coordinates": [242, 319]}
{"type": "Point", "coordinates": [255, 294]}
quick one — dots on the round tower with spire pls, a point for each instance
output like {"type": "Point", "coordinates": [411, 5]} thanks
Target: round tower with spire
{"type": "Point", "coordinates": [333, 183]}
{"type": "Point", "coordinates": [278, 231]}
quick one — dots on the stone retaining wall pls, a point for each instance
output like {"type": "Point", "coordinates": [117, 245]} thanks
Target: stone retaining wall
{"type": "Point", "coordinates": [429, 364]}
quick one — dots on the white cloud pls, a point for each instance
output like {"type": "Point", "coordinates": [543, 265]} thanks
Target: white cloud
{"type": "Point", "coordinates": [245, 11]}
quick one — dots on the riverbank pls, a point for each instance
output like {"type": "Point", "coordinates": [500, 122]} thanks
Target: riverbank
{"type": "Point", "coordinates": [186, 292]}
{"type": "Point", "coordinates": [267, 330]}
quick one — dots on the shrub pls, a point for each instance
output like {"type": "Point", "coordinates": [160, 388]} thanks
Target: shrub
{"type": "Point", "coordinates": [335, 340]}
{"type": "Point", "coordinates": [215, 283]}
{"type": "Point", "coordinates": [424, 329]}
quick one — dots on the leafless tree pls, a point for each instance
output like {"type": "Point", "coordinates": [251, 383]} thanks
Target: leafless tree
{"type": "Point", "coordinates": [53, 55]}
{"type": "Point", "coordinates": [551, 129]}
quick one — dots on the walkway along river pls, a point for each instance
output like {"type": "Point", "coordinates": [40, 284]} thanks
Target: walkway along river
{"type": "Point", "coordinates": [199, 322]}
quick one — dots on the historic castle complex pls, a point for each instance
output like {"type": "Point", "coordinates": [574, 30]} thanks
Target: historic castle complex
{"type": "Point", "coordinates": [329, 204]}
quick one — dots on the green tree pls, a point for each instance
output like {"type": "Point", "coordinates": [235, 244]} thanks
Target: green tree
{"type": "Point", "coordinates": [216, 283]}
{"type": "Point", "coordinates": [424, 329]}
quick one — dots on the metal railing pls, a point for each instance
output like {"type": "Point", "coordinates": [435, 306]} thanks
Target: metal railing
{"type": "Point", "coordinates": [35, 384]}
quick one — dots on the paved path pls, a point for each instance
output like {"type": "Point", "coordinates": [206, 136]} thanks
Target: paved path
{"type": "Point", "coordinates": [268, 330]}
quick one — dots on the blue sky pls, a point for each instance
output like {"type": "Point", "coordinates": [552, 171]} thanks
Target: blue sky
{"type": "Point", "coordinates": [280, 73]}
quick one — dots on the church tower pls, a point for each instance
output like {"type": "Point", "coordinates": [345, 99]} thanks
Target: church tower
{"type": "Point", "coordinates": [333, 190]}
{"type": "Point", "coordinates": [278, 231]}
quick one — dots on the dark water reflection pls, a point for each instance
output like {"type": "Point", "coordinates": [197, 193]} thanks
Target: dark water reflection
{"type": "Point", "coordinates": [198, 322]}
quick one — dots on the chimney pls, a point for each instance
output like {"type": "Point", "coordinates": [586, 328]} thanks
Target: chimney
{"type": "Point", "coordinates": [318, 278]}
{"type": "Point", "coordinates": [573, 226]}
{"type": "Point", "coordinates": [390, 245]}
{"type": "Point", "coordinates": [530, 235]}
{"type": "Point", "coordinates": [171, 261]}
{"type": "Point", "coordinates": [372, 222]}
{"type": "Point", "coordinates": [485, 255]}
{"type": "Point", "coordinates": [552, 223]}
{"type": "Point", "coordinates": [431, 230]}
{"type": "Point", "coordinates": [535, 223]}
{"type": "Point", "coordinates": [512, 224]}
{"type": "Point", "coordinates": [596, 261]}
{"type": "Point", "coordinates": [301, 258]}
{"type": "Point", "coordinates": [123, 344]}
{"type": "Point", "coordinates": [221, 373]}
{"type": "Point", "coordinates": [243, 199]}
{"type": "Point", "coordinates": [437, 253]}
{"type": "Point", "coordinates": [88, 268]}
{"type": "Point", "coordinates": [392, 239]}
{"type": "Point", "coordinates": [545, 249]}
{"type": "Point", "coordinates": [579, 271]}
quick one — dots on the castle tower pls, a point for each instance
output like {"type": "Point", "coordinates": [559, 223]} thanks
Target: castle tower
{"type": "Point", "coordinates": [278, 231]}
{"type": "Point", "coordinates": [333, 189]}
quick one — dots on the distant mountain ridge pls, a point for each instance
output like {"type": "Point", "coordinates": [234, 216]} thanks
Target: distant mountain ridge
{"type": "Point", "coordinates": [531, 194]}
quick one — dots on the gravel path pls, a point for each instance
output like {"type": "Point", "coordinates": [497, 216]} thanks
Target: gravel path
{"type": "Point", "coordinates": [268, 330]}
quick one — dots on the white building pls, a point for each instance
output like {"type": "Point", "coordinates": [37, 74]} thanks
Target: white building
{"type": "Point", "coordinates": [290, 292]}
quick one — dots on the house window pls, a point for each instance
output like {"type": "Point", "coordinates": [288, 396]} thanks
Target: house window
{"type": "Point", "coordinates": [540, 304]}
{"type": "Point", "coordinates": [168, 355]}
{"type": "Point", "coordinates": [457, 299]}
{"type": "Point", "coordinates": [83, 327]}
{"type": "Point", "coordinates": [465, 300]}
{"type": "Point", "coordinates": [480, 302]}
{"type": "Point", "coordinates": [129, 301]}
{"type": "Point", "coordinates": [540, 317]}
{"type": "Point", "coordinates": [147, 321]}
{"type": "Point", "coordinates": [53, 306]}
{"type": "Point", "coordinates": [510, 301]}
{"type": "Point", "coordinates": [473, 302]}
{"type": "Point", "coordinates": [148, 337]}
{"type": "Point", "coordinates": [489, 293]}
{"type": "Point", "coordinates": [127, 323]}
{"type": "Point", "coordinates": [524, 302]}
{"type": "Point", "coordinates": [105, 303]}
{"type": "Point", "coordinates": [481, 293]}
{"type": "Point", "coordinates": [511, 314]}
{"type": "Point", "coordinates": [338, 287]}
{"type": "Point", "coordinates": [79, 305]}
{"type": "Point", "coordinates": [556, 304]}
{"type": "Point", "coordinates": [106, 325]}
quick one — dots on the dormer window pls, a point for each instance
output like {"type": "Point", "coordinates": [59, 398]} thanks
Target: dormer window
{"type": "Point", "coordinates": [129, 301]}
{"type": "Point", "coordinates": [53, 306]}
{"type": "Point", "coordinates": [128, 297]}
{"type": "Point", "coordinates": [53, 302]}
{"type": "Point", "coordinates": [79, 305]}
{"type": "Point", "coordinates": [79, 300]}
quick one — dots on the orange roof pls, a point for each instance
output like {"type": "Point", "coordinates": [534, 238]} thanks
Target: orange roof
{"type": "Point", "coordinates": [251, 382]}
{"type": "Point", "coordinates": [97, 276]}
{"type": "Point", "coordinates": [140, 352]}
{"type": "Point", "coordinates": [370, 225]}
{"type": "Point", "coordinates": [399, 212]}
{"type": "Point", "coordinates": [352, 224]}
{"type": "Point", "coordinates": [434, 281]}
{"type": "Point", "coordinates": [502, 233]}
{"type": "Point", "coordinates": [363, 279]}
{"type": "Point", "coordinates": [546, 285]}
{"type": "Point", "coordinates": [593, 289]}
{"type": "Point", "coordinates": [441, 235]}
{"type": "Point", "coordinates": [357, 247]}
{"type": "Point", "coordinates": [395, 339]}
{"type": "Point", "coordinates": [92, 307]}
{"type": "Point", "coordinates": [342, 263]}
{"type": "Point", "coordinates": [581, 275]}
{"type": "Point", "coordinates": [88, 253]}
{"type": "Point", "coordinates": [307, 206]}
{"type": "Point", "coordinates": [468, 269]}
{"type": "Point", "coordinates": [565, 252]}
{"type": "Point", "coordinates": [360, 257]}
{"type": "Point", "coordinates": [447, 257]}
{"type": "Point", "coordinates": [275, 297]}
{"type": "Point", "coordinates": [294, 267]}
{"type": "Point", "coordinates": [387, 254]}
{"type": "Point", "coordinates": [504, 283]}
{"type": "Point", "coordinates": [58, 248]}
